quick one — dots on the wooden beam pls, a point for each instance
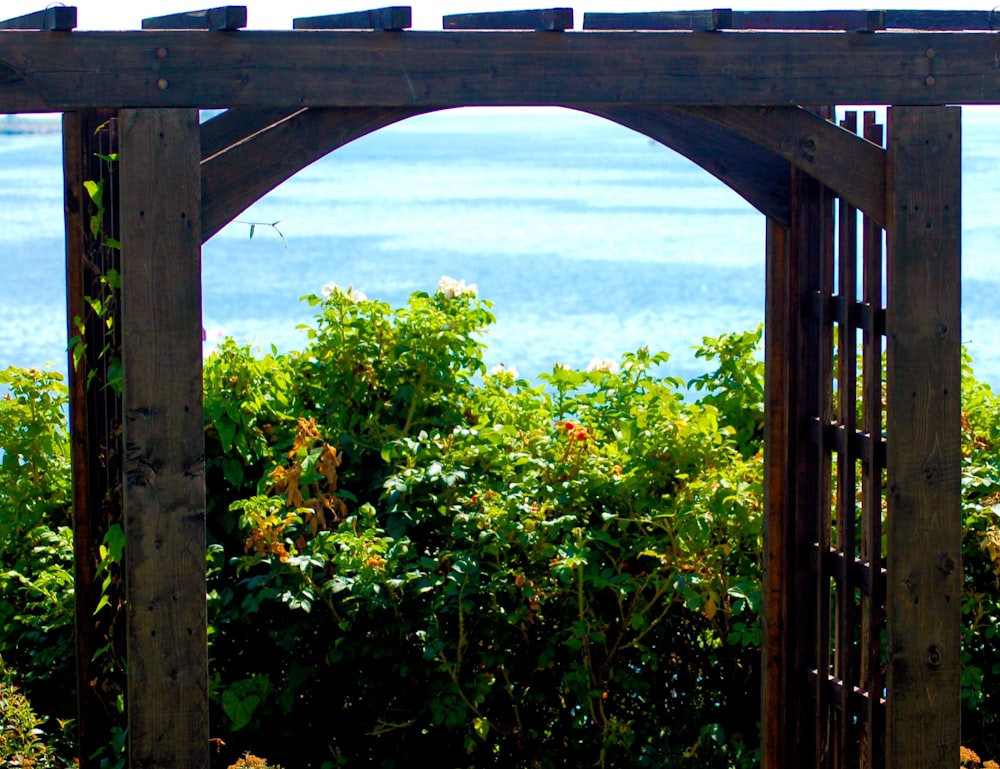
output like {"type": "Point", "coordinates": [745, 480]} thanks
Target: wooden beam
{"type": "Point", "coordinates": [759, 176]}
{"type": "Point", "coordinates": [164, 494]}
{"type": "Point", "coordinates": [445, 69]}
{"type": "Point", "coordinates": [60, 18]}
{"type": "Point", "coordinates": [695, 21]}
{"type": "Point", "coordinates": [960, 21]}
{"type": "Point", "coordinates": [224, 18]}
{"type": "Point", "coordinates": [237, 125]}
{"type": "Point", "coordinates": [849, 165]}
{"type": "Point", "coordinates": [391, 19]}
{"type": "Point", "coordinates": [846, 21]}
{"type": "Point", "coordinates": [235, 178]}
{"type": "Point", "coordinates": [544, 20]}
{"type": "Point", "coordinates": [923, 402]}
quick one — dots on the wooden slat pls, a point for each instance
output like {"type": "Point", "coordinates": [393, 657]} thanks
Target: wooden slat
{"type": "Point", "coordinates": [542, 20]}
{"type": "Point", "coordinates": [845, 665]}
{"type": "Point", "coordinates": [224, 18]}
{"type": "Point", "coordinates": [778, 554]}
{"type": "Point", "coordinates": [438, 69]}
{"type": "Point", "coordinates": [848, 21]}
{"type": "Point", "coordinates": [60, 18]}
{"type": "Point", "coordinates": [923, 432]}
{"type": "Point", "coordinates": [391, 19]}
{"type": "Point", "coordinates": [852, 167]}
{"type": "Point", "coordinates": [695, 21]}
{"type": "Point", "coordinates": [873, 464]}
{"type": "Point", "coordinates": [941, 20]}
{"type": "Point", "coordinates": [760, 177]}
{"type": "Point", "coordinates": [164, 495]}
{"type": "Point", "coordinates": [233, 179]}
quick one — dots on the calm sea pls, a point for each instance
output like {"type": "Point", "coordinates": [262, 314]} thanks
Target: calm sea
{"type": "Point", "coordinates": [591, 240]}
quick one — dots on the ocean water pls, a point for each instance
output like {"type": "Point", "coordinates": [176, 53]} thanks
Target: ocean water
{"type": "Point", "coordinates": [589, 239]}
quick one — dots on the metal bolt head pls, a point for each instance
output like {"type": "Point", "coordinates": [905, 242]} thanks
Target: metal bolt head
{"type": "Point", "coordinates": [162, 84]}
{"type": "Point", "coordinates": [930, 80]}
{"type": "Point", "coordinates": [162, 53]}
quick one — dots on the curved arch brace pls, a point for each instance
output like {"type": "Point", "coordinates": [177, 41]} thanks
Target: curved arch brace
{"type": "Point", "coordinates": [758, 175]}
{"type": "Point", "coordinates": [236, 172]}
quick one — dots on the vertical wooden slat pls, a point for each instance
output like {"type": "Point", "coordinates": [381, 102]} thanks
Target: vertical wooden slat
{"type": "Point", "coordinates": [846, 517]}
{"type": "Point", "coordinates": [872, 613]}
{"type": "Point", "coordinates": [780, 438]}
{"type": "Point", "coordinates": [95, 418]}
{"type": "Point", "coordinates": [923, 434]}
{"type": "Point", "coordinates": [164, 443]}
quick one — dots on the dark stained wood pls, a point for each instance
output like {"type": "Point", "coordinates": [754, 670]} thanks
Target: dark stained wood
{"type": "Point", "coordinates": [227, 17]}
{"type": "Point", "coordinates": [236, 125]}
{"type": "Point", "coordinates": [872, 748]}
{"type": "Point", "coordinates": [924, 450]}
{"type": "Point", "coordinates": [849, 165]}
{"type": "Point", "coordinates": [331, 69]}
{"type": "Point", "coordinates": [392, 19]}
{"type": "Point", "coordinates": [543, 20]}
{"type": "Point", "coordinates": [164, 440]}
{"type": "Point", "coordinates": [245, 172]}
{"type": "Point", "coordinates": [94, 419]}
{"type": "Point", "coordinates": [760, 177]}
{"type": "Point", "coordinates": [695, 21]}
{"type": "Point", "coordinates": [941, 20]}
{"type": "Point", "coordinates": [848, 21]}
{"type": "Point", "coordinates": [60, 18]}
{"type": "Point", "coordinates": [778, 551]}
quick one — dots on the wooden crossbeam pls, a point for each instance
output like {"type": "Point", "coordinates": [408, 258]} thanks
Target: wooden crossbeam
{"type": "Point", "coordinates": [696, 21]}
{"type": "Point", "coordinates": [544, 20]}
{"type": "Point", "coordinates": [942, 20]}
{"type": "Point", "coordinates": [391, 19]}
{"type": "Point", "coordinates": [847, 21]}
{"type": "Point", "coordinates": [46, 73]}
{"type": "Point", "coordinates": [226, 17]}
{"type": "Point", "coordinates": [60, 18]}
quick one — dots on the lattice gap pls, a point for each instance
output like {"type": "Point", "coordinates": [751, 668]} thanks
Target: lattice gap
{"type": "Point", "coordinates": [851, 548]}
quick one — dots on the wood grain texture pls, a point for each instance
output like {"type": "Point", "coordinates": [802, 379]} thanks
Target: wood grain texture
{"type": "Point", "coordinates": [542, 20]}
{"type": "Point", "coordinates": [849, 165]}
{"type": "Point", "coordinates": [55, 19]}
{"type": "Point", "coordinates": [233, 126]}
{"type": "Point", "coordinates": [923, 432]}
{"type": "Point", "coordinates": [443, 69]}
{"type": "Point", "coordinates": [164, 440]}
{"type": "Point", "coordinates": [226, 17]}
{"type": "Point", "coordinates": [695, 21]}
{"type": "Point", "coordinates": [941, 20]}
{"type": "Point", "coordinates": [390, 19]}
{"type": "Point", "coordinates": [235, 178]}
{"type": "Point", "coordinates": [759, 176]}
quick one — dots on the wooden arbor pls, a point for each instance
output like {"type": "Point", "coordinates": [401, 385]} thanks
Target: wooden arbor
{"type": "Point", "coordinates": [745, 103]}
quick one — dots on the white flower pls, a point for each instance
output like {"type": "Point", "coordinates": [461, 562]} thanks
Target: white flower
{"type": "Point", "coordinates": [501, 369]}
{"type": "Point", "coordinates": [606, 365]}
{"type": "Point", "coordinates": [353, 295]}
{"type": "Point", "coordinates": [451, 288]}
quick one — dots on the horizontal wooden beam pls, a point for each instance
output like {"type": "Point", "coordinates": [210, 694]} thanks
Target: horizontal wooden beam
{"type": "Point", "coordinates": [695, 21]}
{"type": "Point", "coordinates": [962, 21]}
{"type": "Point", "coordinates": [41, 73]}
{"type": "Point", "coordinates": [60, 18]}
{"type": "Point", "coordinates": [543, 20]}
{"type": "Point", "coordinates": [852, 167]}
{"type": "Point", "coordinates": [227, 17]}
{"type": "Point", "coordinates": [391, 19]}
{"type": "Point", "coordinates": [844, 21]}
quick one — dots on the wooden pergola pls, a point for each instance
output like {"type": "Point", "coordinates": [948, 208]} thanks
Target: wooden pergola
{"type": "Point", "coordinates": [863, 258]}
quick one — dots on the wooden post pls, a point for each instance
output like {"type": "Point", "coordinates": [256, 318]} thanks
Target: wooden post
{"type": "Point", "coordinates": [923, 404]}
{"type": "Point", "coordinates": [95, 418]}
{"type": "Point", "coordinates": [164, 495]}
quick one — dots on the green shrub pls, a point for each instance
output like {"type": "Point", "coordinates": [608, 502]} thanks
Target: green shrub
{"type": "Point", "coordinates": [22, 742]}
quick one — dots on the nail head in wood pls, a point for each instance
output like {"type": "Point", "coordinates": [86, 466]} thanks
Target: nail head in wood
{"type": "Point", "coordinates": [60, 18]}
{"type": "Point", "coordinates": [542, 20]}
{"type": "Point", "coordinates": [224, 18]}
{"type": "Point", "coordinates": [391, 19]}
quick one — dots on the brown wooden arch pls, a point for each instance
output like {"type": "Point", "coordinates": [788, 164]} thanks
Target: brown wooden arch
{"type": "Point", "coordinates": [704, 94]}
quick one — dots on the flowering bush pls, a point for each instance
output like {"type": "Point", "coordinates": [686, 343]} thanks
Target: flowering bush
{"type": "Point", "coordinates": [413, 556]}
